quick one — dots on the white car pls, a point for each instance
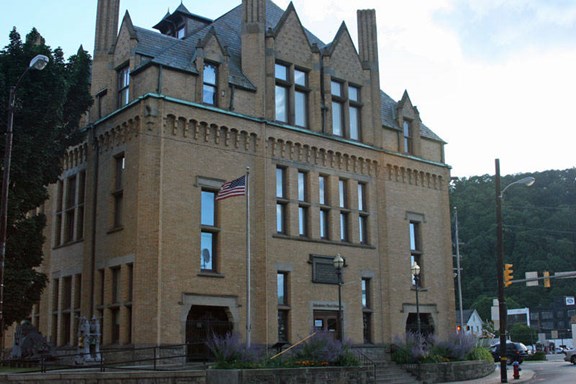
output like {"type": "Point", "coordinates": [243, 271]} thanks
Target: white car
{"type": "Point", "coordinates": [570, 356]}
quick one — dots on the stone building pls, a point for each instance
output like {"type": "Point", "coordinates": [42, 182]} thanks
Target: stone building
{"type": "Point", "coordinates": [135, 234]}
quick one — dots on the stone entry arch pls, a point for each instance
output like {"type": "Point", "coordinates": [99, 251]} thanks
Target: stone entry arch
{"type": "Point", "coordinates": [426, 323]}
{"type": "Point", "coordinates": [202, 322]}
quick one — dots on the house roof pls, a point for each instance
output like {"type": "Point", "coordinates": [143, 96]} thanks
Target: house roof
{"type": "Point", "coordinates": [180, 54]}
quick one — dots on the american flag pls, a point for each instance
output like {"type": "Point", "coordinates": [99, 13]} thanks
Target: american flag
{"type": "Point", "coordinates": [232, 188]}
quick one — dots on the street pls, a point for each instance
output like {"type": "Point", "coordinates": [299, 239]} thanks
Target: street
{"type": "Point", "coordinates": [553, 370]}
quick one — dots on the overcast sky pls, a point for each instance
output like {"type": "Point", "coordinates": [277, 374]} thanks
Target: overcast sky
{"type": "Point", "coordinates": [492, 78]}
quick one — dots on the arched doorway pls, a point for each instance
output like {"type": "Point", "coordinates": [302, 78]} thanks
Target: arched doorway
{"type": "Point", "coordinates": [426, 323]}
{"type": "Point", "coordinates": [202, 322]}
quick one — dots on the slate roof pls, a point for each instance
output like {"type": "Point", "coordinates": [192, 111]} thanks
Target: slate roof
{"type": "Point", "coordinates": [180, 53]}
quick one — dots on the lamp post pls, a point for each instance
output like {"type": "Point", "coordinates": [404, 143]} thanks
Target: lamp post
{"type": "Point", "coordinates": [416, 275]}
{"type": "Point", "coordinates": [502, 312]}
{"type": "Point", "coordinates": [338, 265]}
{"type": "Point", "coordinates": [39, 62]}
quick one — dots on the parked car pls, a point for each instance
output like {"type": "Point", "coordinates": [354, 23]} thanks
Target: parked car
{"type": "Point", "coordinates": [514, 352]}
{"type": "Point", "coordinates": [570, 356]}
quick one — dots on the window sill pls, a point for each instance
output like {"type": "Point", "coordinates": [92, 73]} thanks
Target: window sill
{"type": "Point", "coordinates": [115, 229]}
{"type": "Point", "coordinates": [211, 274]}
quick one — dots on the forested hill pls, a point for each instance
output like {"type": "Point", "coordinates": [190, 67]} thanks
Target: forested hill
{"type": "Point", "coordinates": [539, 235]}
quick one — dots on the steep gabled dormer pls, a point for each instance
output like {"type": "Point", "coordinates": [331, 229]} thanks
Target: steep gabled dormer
{"type": "Point", "coordinates": [409, 121]}
{"type": "Point", "coordinates": [181, 23]}
{"type": "Point", "coordinates": [212, 64]}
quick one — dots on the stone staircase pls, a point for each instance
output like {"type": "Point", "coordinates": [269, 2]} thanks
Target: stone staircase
{"type": "Point", "coordinates": [390, 373]}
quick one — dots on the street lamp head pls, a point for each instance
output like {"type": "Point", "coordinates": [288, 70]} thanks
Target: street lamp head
{"type": "Point", "coordinates": [39, 62]}
{"type": "Point", "coordinates": [338, 262]}
{"type": "Point", "coordinates": [527, 181]}
{"type": "Point", "coordinates": [415, 269]}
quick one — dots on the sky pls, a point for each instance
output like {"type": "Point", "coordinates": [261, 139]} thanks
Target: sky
{"type": "Point", "coordinates": [492, 78]}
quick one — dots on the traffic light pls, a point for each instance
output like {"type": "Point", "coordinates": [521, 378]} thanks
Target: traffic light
{"type": "Point", "coordinates": [508, 271]}
{"type": "Point", "coordinates": [546, 279]}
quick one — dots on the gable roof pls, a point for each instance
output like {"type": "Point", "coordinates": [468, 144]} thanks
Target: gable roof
{"type": "Point", "coordinates": [179, 54]}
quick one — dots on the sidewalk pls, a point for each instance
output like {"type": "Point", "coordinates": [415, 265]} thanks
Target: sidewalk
{"type": "Point", "coordinates": [494, 377]}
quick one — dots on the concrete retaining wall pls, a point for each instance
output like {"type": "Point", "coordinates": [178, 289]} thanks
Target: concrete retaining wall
{"type": "Point", "coordinates": [446, 372]}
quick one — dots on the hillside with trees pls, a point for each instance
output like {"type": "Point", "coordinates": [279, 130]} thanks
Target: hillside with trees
{"type": "Point", "coordinates": [539, 235]}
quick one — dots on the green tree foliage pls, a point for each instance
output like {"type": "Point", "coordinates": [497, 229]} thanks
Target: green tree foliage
{"type": "Point", "coordinates": [48, 110]}
{"type": "Point", "coordinates": [523, 334]}
{"type": "Point", "coordinates": [539, 235]}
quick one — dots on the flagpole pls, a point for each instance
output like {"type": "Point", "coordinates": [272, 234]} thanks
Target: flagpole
{"type": "Point", "coordinates": [248, 291]}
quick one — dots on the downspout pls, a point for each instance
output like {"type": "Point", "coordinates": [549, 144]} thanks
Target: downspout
{"type": "Point", "coordinates": [323, 107]}
{"type": "Point", "coordinates": [160, 77]}
{"type": "Point", "coordinates": [93, 234]}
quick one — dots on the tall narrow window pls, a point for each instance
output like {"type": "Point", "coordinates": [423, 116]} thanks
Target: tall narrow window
{"type": "Point", "coordinates": [354, 112]}
{"type": "Point", "coordinates": [337, 109]}
{"type": "Point", "coordinates": [123, 86]}
{"type": "Point", "coordinates": [344, 226]}
{"type": "Point", "coordinates": [342, 193]}
{"type": "Point", "coordinates": [80, 205]}
{"type": "Point", "coordinates": [210, 87]}
{"type": "Point", "coordinates": [324, 215]}
{"type": "Point", "coordinates": [322, 189]}
{"type": "Point", "coordinates": [291, 95]}
{"type": "Point", "coordinates": [59, 213]}
{"type": "Point", "coordinates": [407, 129]}
{"type": "Point", "coordinates": [282, 93]}
{"type": "Point", "coordinates": [346, 108]}
{"type": "Point", "coordinates": [303, 204]}
{"type": "Point", "coordinates": [70, 209]}
{"type": "Point", "coordinates": [367, 310]}
{"type": "Point", "coordinates": [118, 192]}
{"type": "Point", "coordinates": [281, 200]}
{"type": "Point", "coordinates": [415, 248]}
{"type": "Point", "coordinates": [362, 214]}
{"type": "Point", "coordinates": [209, 231]}
{"type": "Point", "coordinates": [300, 98]}
{"type": "Point", "coordinates": [283, 306]}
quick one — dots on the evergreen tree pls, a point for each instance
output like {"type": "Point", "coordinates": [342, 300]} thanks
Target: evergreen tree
{"type": "Point", "coordinates": [49, 105]}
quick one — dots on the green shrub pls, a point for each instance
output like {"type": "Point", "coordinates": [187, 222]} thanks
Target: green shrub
{"type": "Point", "coordinates": [536, 356]}
{"type": "Point", "coordinates": [480, 353]}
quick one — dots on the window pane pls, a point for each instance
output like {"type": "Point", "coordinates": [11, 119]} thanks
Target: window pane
{"type": "Point", "coordinates": [322, 189]}
{"type": "Point", "coordinates": [364, 293]}
{"type": "Point", "coordinates": [210, 74]}
{"type": "Point", "coordinates": [280, 182]}
{"type": "Point", "coordinates": [301, 109]}
{"type": "Point", "coordinates": [302, 222]}
{"type": "Point", "coordinates": [337, 125]}
{"type": "Point", "coordinates": [281, 103]}
{"type": "Point", "coordinates": [207, 205]}
{"type": "Point", "coordinates": [281, 72]}
{"type": "Point", "coordinates": [361, 193]}
{"type": "Point", "coordinates": [336, 88]}
{"type": "Point", "coordinates": [362, 220]}
{"type": "Point", "coordinates": [354, 123]}
{"type": "Point", "coordinates": [280, 218]}
{"type": "Point", "coordinates": [300, 77]}
{"type": "Point", "coordinates": [209, 94]}
{"type": "Point", "coordinates": [413, 237]}
{"type": "Point", "coordinates": [353, 93]}
{"type": "Point", "coordinates": [301, 186]}
{"type": "Point", "coordinates": [206, 256]}
{"type": "Point", "coordinates": [281, 288]}
{"type": "Point", "coordinates": [343, 226]}
{"type": "Point", "coordinates": [342, 193]}
{"type": "Point", "coordinates": [323, 224]}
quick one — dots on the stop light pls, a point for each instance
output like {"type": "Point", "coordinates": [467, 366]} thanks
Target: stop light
{"type": "Point", "coordinates": [546, 279]}
{"type": "Point", "coordinates": [508, 271]}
